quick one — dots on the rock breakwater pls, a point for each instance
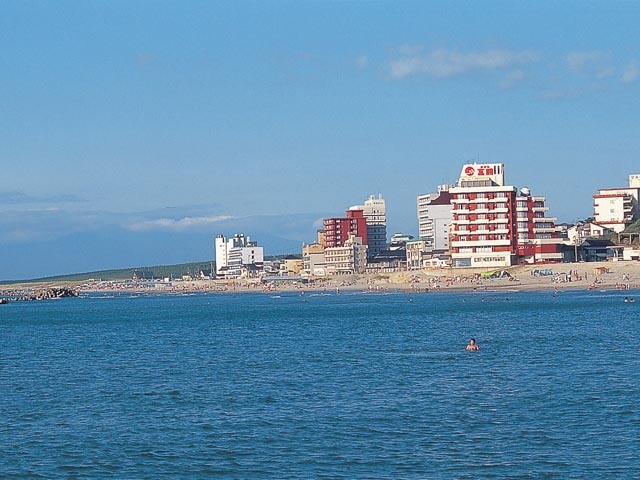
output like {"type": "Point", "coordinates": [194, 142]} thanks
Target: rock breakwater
{"type": "Point", "coordinates": [27, 295]}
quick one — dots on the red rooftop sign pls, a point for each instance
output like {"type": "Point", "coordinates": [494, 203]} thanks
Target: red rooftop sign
{"type": "Point", "coordinates": [483, 170]}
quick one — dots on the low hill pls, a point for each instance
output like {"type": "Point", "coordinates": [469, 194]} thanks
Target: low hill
{"type": "Point", "coordinates": [158, 271]}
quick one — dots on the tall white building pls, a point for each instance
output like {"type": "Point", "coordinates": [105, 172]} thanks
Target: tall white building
{"type": "Point", "coordinates": [434, 218]}
{"type": "Point", "coordinates": [234, 256]}
{"type": "Point", "coordinates": [616, 208]}
{"type": "Point", "coordinates": [375, 212]}
{"type": "Point", "coordinates": [221, 254]}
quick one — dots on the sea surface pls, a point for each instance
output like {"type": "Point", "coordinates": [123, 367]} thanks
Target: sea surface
{"type": "Point", "coordinates": [332, 386]}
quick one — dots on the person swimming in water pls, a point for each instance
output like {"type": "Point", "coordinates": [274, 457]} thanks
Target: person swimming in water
{"type": "Point", "coordinates": [472, 345]}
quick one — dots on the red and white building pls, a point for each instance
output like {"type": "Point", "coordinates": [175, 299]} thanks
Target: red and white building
{"type": "Point", "coordinates": [494, 226]}
{"type": "Point", "coordinates": [539, 239]}
{"type": "Point", "coordinates": [338, 229]}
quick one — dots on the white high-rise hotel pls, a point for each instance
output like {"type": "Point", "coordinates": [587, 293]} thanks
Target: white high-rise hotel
{"type": "Point", "coordinates": [236, 253]}
{"type": "Point", "coordinates": [375, 212]}
{"type": "Point", "coordinates": [616, 208]}
{"type": "Point", "coordinates": [434, 218]}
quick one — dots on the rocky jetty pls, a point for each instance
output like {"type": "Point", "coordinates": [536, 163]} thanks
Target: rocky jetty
{"type": "Point", "coordinates": [37, 294]}
{"type": "Point", "coordinates": [54, 292]}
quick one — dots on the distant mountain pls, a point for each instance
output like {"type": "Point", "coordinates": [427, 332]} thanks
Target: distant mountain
{"type": "Point", "coordinates": [116, 247]}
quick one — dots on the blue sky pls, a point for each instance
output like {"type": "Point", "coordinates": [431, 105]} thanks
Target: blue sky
{"type": "Point", "coordinates": [133, 132]}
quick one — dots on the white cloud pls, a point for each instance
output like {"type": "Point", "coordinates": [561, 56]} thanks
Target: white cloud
{"type": "Point", "coordinates": [631, 72]}
{"type": "Point", "coordinates": [515, 77]}
{"type": "Point", "coordinates": [182, 224]}
{"type": "Point", "coordinates": [361, 62]}
{"type": "Point", "coordinates": [597, 63]}
{"type": "Point", "coordinates": [442, 63]}
{"type": "Point", "coordinates": [579, 61]}
{"type": "Point", "coordinates": [606, 72]}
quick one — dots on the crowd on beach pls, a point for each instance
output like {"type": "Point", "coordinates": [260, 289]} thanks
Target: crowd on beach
{"type": "Point", "coordinates": [626, 277]}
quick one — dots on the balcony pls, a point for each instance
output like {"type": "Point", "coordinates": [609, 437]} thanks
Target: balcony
{"type": "Point", "coordinates": [544, 229]}
{"type": "Point", "coordinates": [480, 243]}
{"type": "Point", "coordinates": [549, 256]}
{"type": "Point", "coordinates": [549, 241]}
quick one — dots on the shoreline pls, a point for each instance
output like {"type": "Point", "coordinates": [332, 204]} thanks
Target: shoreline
{"type": "Point", "coordinates": [621, 276]}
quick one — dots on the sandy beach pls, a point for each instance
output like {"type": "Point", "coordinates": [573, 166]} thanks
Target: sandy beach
{"type": "Point", "coordinates": [566, 276]}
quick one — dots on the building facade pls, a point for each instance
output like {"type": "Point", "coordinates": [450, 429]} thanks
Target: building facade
{"type": "Point", "coordinates": [347, 259]}
{"type": "Point", "coordinates": [483, 227]}
{"type": "Point", "coordinates": [313, 260]}
{"type": "Point", "coordinates": [375, 213]}
{"type": "Point", "coordinates": [617, 208]}
{"type": "Point", "coordinates": [419, 252]}
{"type": "Point", "coordinates": [539, 240]}
{"type": "Point", "coordinates": [237, 256]}
{"type": "Point", "coordinates": [291, 265]}
{"type": "Point", "coordinates": [493, 226]}
{"type": "Point", "coordinates": [434, 218]}
{"type": "Point", "coordinates": [221, 254]}
{"type": "Point", "coordinates": [578, 233]}
{"type": "Point", "coordinates": [337, 230]}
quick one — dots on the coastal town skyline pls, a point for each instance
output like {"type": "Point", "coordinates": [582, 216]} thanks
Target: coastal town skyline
{"type": "Point", "coordinates": [132, 133]}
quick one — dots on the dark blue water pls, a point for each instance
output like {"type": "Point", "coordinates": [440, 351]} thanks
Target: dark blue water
{"type": "Point", "coordinates": [373, 386]}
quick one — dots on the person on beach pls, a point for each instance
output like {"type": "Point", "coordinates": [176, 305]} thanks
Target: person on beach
{"type": "Point", "coordinates": [472, 345]}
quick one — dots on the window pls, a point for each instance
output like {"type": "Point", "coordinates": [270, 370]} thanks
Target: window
{"type": "Point", "coordinates": [462, 262]}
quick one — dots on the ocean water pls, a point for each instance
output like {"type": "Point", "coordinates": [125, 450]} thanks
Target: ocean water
{"type": "Point", "coordinates": [283, 386]}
